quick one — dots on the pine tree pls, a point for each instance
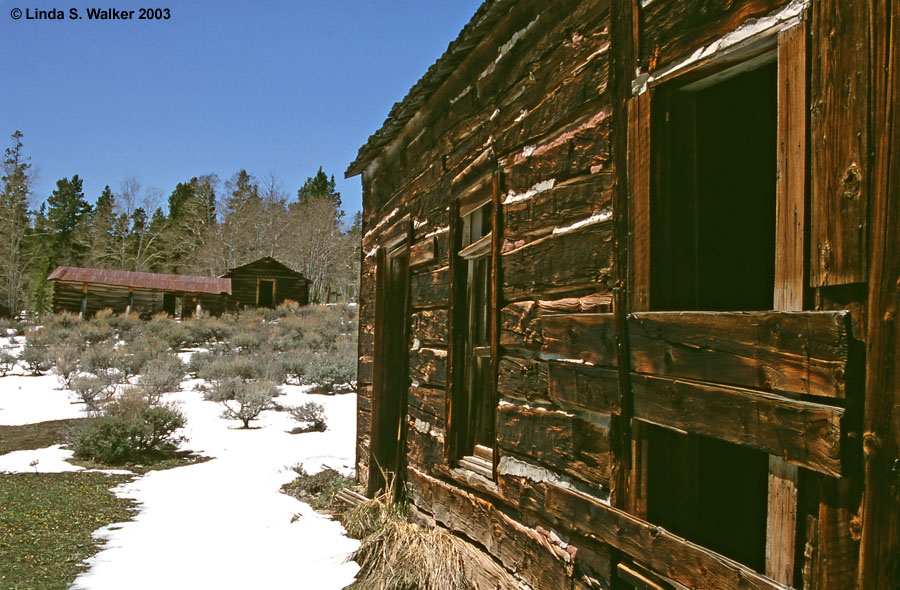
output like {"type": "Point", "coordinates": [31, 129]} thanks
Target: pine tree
{"type": "Point", "coordinates": [14, 224]}
{"type": "Point", "coordinates": [320, 186]}
{"type": "Point", "coordinates": [66, 208]}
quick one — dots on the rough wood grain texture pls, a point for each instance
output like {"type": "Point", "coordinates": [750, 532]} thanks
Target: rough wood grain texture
{"type": "Point", "coordinates": [588, 388]}
{"type": "Point", "coordinates": [523, 551]}
{"type": "Point", "coordinates": [429, 327]}
{"type": "Point", "coordinates": [430, 289]}
{"type": "Point", "coordinates": [428, 366]}
{"type": "Point", "coordinates": [562, 205]}
{"type": "Point", "coordinates": [583, 337]}
{"type": "Point", "coordinates": [790, 201]}
{"type": "Point", "coordinates": [430, 400]}
{"type": "Point", "coordinates": [520, 323]}
{"type": "Point", "coordinates": [638, 271]}
{"type": "Point", "coordinates": [799, 352]}
{"type": "Point", "coordinates": [562, 441]}
{"type": "Point", "coordinates": [880, 550]}
{"type": "Point", "coordinates": [422, 252]}
{"type": "Point", "coordinates": [804, 433]}
{"type": "Point", "coordinates": [423, 448]}
{"type": "Point", "coordinates": [672, 556]}
{"type": "Point", "coordinates": [671, 31]}
{"type": "Point", "coordinates": [781, 521]}
{"type": "Point", "coordinates": [496, 298]}
{"type": "Point", "coordinates": [523, 379]}
{"type": "Point", "coordinates": [839, 86]}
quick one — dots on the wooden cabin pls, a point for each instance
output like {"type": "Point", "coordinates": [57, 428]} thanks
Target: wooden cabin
{"type": "Point", "coordinates": [266, 283]}
{"type": "Point", "coordinates": [629, 294]}
{"type": "Point", "coordinates": [85, 291]}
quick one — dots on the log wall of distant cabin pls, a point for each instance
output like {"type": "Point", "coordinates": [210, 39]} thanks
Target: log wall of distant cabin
{"type": "Point", "coordinates": [535, 100]}
{"type": "Point", "coordinates": [67, 296]}
{"type": "Point", "coordinates": [289, 285]}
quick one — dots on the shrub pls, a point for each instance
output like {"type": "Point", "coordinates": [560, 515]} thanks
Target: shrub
{"type": "Point", "coordinates": [96, 330]}
{"type": "Point", "coordinates": [319, 490]}
{"type": "Point", "coordinates": [35, 354]}
{"type": "Point", "coordinates": [200, 361]}
{"type": "Point", "coordinates": [65, 359]}
{"type": "Point", "coordinates": [160, 376]}
{"type": "Point", "coordinates": [244, 401]}
{"type": "Point", "coordinates": [130, 429]}
{"type": "Point", "coordinates": [250, 339]}
{"type": "Point", "coordinates": [131, 359]}
{"type": "Point", "coordinates": [311, 415]}
{"type": "Point", "coordinates": [330, 369]}
{"type": "Point", "coordinates": [94, 390]}
{"type": "Point", "coordinates": [7, 361]}
{"type": "Point", "coordinates": [127, 326]}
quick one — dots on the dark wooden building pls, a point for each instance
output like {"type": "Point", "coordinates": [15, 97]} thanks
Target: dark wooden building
{"type": "Point", "coordinates": [266, 283]}
{"type": "Point", "coordinates": [630, 294]}
{"type": "Point", "coordinates": [87, 290]}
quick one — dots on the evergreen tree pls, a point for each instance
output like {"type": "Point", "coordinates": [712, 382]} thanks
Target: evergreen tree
{"type": "Point", "coordinates": [14, 223]}
{"type": "Point", "coordinates": [100, 237]}
{"type": "Point", "coordinates": [320, 185]}
{"type": "Point", "coordinates": [66, 208]}
{"type": "Point", "coordinates": [182, 193]}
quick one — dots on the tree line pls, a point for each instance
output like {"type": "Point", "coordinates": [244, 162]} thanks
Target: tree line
{"type": "Point", "coordinates": [206, 228]}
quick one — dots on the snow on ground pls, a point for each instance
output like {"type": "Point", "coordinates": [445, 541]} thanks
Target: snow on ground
{"type": "Point", "coordinates": [25, 399]}
{"type": "Point", "coordinates": [219, 524]}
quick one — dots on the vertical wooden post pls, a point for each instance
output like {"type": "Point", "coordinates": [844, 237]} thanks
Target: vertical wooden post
{"type": "Point", "coordinates": [496, 303]}
{"type": "Point", "coordinates": [880, 546]}
{"type": "Point", "coordinates": [790, 280]}
{"type": "Point", "coordinates": [84, 290]}
{"type": "Point", "coordinates": [375, 479]}
{"type": "Point", "coordinates": [130, 306]}
{"type": "Point", "coordinates": [451, 439]}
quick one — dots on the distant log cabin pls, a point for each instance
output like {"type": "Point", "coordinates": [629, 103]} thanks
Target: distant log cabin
{"type": "Point", "coordinates": [629, 304]}
{"type": "Point", "coordinates": [266, 283]}
{"type": "Point", "coordinates": [85, 291]}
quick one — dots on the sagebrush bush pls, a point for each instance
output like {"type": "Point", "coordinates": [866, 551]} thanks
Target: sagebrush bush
{"type": "Point", "coordinates": [94, 390]}
{"type": "Point", "coordinates": [7, 361]}
{"type": "Point", "coordinates": [319, 490]}
{"type": "Point", "coordinates": [66, 359]}
{"type": "Point", "coordinates": [310, 415]}
{"type": "Point", "coordinates": [131, 358]}
{"type": "Point", "coordinates": [161, 375]}
{"type": "Point", "coordinates": [35, 353]}
{"type": "Point", "coordinates": [127, 326]}
{"type": "Point", "coordinates": [199, 361]}
{"type": "Point", "coordinates": [96, 330]}
{"type": "Point", "coordinates": [207, 329]}
{"type": "Point", "coordinates": [244, 401]}
{"type": "Point", "coordinates": [100, 359]}
{"type": "Point", "coordinates": [333, 368]}
{"type": "Point", "coordinates": [130, 429]}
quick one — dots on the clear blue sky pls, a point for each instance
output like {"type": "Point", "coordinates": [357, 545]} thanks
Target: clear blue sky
{"type": "Point", "coordinates": [271, 86]}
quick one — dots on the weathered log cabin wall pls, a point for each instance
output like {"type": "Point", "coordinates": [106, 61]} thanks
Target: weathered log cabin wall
{"type": "Point", "coordinates": [550, 108]}
{"type": "Point", "coordinates": [68, 296]}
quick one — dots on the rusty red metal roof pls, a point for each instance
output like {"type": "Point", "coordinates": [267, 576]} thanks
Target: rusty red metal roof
{"type": "Point", "coordinates": [142, 280]}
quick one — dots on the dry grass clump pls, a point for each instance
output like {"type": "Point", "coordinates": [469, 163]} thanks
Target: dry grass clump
{"type": "Point", "coordinates": [398, 554]}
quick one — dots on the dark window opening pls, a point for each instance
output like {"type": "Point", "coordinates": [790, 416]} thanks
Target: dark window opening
{"type": "Point", "coordinates": [709, 491]}
{"type": "Point", "coordinates": [474, 404]}
{"type": "Point", "coordinates": [713, 195]}
{"type": "Point", "coordinates": [266, 294]}
{"type": "Point", "coordinates": [169, 303]}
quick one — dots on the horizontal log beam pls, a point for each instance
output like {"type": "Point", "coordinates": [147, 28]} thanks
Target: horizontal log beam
{"type": "Point", "coordinates": [803, 433]}
{"type": "Point", "coordinates": [796, 352]}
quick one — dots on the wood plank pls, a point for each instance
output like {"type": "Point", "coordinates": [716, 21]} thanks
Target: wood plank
{"type": "Point", "coordinates": [430, 289]}
{"type": "Point", "coordinates": [803, 433]}
{"type": "Point", "coordinates": [638, 271]}
{"type": "Point", "coordinates": [521, 321]}
{"type": "Point", "coordinates": [423, 251]}
{"type": "Point", "coordinates": [671, 31]}
{"type": "Point", "coordinates": [561, 441]}
{"type": "Point", "coordinates": [429, 327]}
{"type": "Point", "coordinates": [790, 201]}
{"type": "Point", "coordinates": [428, 366]}
{"type": "Point", "coordinates": [588, 388]}
{"type": "Point", "coordinates": [523, 379]}
{"type": "Point", "coordinates": [588, 338]}
{"type": "Point", "coordinates": [430, 400]}
{"type": "Point", "coordinates": [496, 299]}
{"type": "Point", "coordinates": [839, 86]}
{"type": "Point", "coordinates": [879, 563]}
{"type": "Point", "coordinates": [533, 556]}
{"type": "Point", "coordinates": [798, 352]}
{"type": "Point", "coordinates": [676, 558]}
{"type": "Point", "coordinates": [781, 520]}
{"type": "Point", "coordinates": [455, 322]}
{"type": "Point", "coordinates": [565, 262]}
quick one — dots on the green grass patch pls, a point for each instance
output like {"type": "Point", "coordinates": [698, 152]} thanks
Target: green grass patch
{"type": "Point", "coordinates": [46, 520]}
{"type": "Point", "coordinates": [37, 436]}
